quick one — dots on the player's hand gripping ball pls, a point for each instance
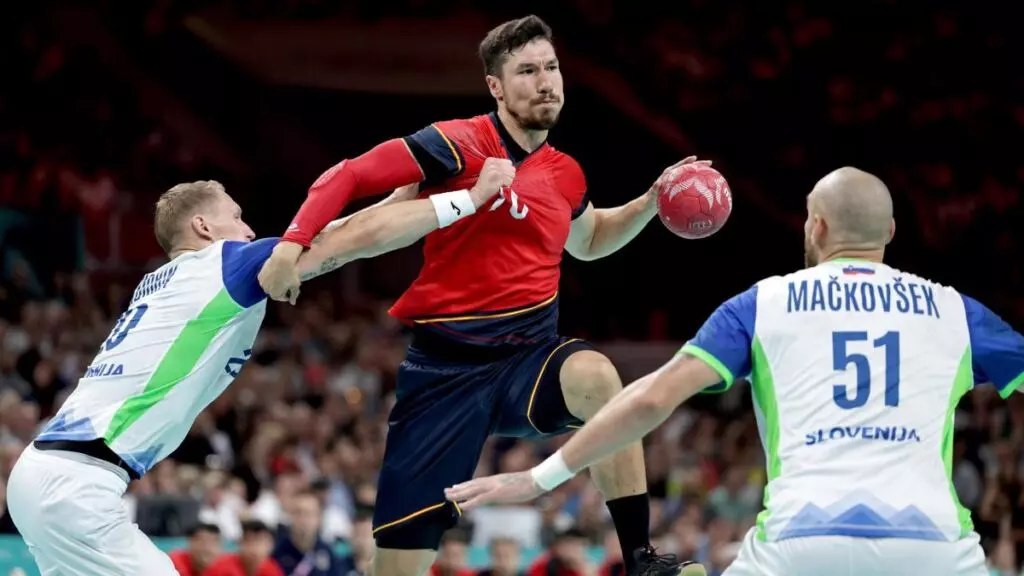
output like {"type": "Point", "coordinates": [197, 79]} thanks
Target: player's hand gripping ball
{"type": "Point", "coordinates": [694, 200]}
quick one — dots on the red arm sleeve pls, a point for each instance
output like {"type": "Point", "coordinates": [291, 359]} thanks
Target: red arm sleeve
{"type": "Point", "coordinates": [385, 167]}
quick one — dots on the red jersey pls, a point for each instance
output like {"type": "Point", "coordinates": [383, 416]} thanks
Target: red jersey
{"type": "Point", "coordinates": [505, 259]}
{"type": "Point", "coordinates": [435, 571]}
{"type": "Point", "coordinates": [544, 566]}
{"type": "Point", "coordinates": [183, 563]}
{"type": "Point", "coordinates": [231, 565]}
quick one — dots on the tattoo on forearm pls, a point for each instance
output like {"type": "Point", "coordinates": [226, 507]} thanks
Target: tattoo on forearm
{"type": "Point", "coordinates": [330, 264]}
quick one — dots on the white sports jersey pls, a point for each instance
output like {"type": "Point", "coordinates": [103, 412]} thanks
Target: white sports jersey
{"type": "Point", "coordinates": [856, 369]}
{"type": "Point", "coordinates": [187, 332]}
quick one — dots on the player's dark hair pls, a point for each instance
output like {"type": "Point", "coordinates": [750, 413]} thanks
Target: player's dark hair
{"type": "Point", "coordinates": [255, 527]}
{"type": "Point", "coordinates": [203, 527]}
{"type": "Point", "coordinates": [509, 37]}
{"type": "Point", "coordinates": [570, 534]}
{"type": "Point", "coordinates": [363, 512]}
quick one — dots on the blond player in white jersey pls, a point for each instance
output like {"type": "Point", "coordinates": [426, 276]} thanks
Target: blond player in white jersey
{"type": "Point", "coordinates": [856, 369]}
{"type": "Point", "coordinates": [188, 330]}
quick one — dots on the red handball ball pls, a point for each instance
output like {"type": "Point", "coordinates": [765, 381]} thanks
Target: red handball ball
{"type": "Point", "coordinates": [694, 201]}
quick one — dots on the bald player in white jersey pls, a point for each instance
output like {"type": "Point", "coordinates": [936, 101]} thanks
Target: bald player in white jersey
{"type": "Point", "coordinates": [856, 369]}
{"type": "Point", "coordinates": [188, 330]}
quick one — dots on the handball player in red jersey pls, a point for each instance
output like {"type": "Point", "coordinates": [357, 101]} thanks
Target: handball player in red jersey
{"type": "Point", "coordinates": [485, 357]}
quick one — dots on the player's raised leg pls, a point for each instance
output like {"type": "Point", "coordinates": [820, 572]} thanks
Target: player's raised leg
{"type": "Point", "coordinates": [552, 388]}
{"type": "Point", "coordinates": [588, 381]}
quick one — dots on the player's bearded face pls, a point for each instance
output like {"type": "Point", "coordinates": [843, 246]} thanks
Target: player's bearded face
{"type": "Point", "coordinates": [531, 84]}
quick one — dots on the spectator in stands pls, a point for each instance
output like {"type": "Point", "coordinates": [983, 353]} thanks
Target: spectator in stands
{"type": "Point", "coordinates": [451, 558]}
{"type": "Point", "coordinates": [361, 552]}
{"type": "Point", "coordinates": [223, 502]}
{"type": "Point", "coordinates": [253, 557]}
{"type": "Point", "coordinates": [335, 524]}
{"type": "Point", "coordinates": [734, 499]}
{"type": "Point", "coordinates": [204, 546]}
{"type": "Point", "coordinates": [567, 556]}
{"type": "Point", "coordinates": [299, 549]}
{"type": "Point", "coordinates": [718, 544]}
{"type": "Point", "coordinates": [505, 558]}
{"type": "Point", "coordinates": [272, 506]}
{"type": "Point", "coordinates": [1002, 558]}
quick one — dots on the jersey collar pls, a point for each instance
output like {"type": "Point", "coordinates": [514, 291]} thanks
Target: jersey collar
{"type": "Point", "coordinates": [516, 153]}
{"type": "Point", "coordinates": [841, 260]}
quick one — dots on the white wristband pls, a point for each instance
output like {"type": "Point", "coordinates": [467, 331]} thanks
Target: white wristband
{"type": "Point", "coordinates": [452, 206]}
{"type": "Point", "coordinates": [552, 472]}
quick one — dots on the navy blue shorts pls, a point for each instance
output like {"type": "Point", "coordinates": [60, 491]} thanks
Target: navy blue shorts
{"type": "Point", "coordinates": [450, 399]}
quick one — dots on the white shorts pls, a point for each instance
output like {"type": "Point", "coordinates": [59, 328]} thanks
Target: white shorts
{"type": "Point", "coordinates": [69, 509]}
{"type": "Point", "coordinates": [846, 556]}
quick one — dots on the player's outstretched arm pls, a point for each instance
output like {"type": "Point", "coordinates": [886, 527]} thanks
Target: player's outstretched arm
{"type": "Point", "coordinates": [599, 232]}
{"type": "Point", "coordinates": [385, 167]}
{"type": "Point", "coordinates": [386, 227]}
{"type": "Point", "coordinates": [997, 350]}
{"type": "Point", "coordinates": [429, 155]}
{"type": "Point", "coordinates": [639, 409]}
{"type": "Point", "coordinates": [409, 192]}
{"type": "Point", "coordinates": [628, 417]}
{"type": "Point", "coordinates": [370, 232]}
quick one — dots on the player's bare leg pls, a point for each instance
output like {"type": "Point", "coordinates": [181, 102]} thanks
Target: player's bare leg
{"type": "Point", "coordinates": [389, 562]}
{"type": "Point", "coordinates": [589, 380]}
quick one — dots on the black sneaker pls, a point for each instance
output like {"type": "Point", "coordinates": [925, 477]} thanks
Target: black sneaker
{"type": "Point", "coordinates": [650, 563]}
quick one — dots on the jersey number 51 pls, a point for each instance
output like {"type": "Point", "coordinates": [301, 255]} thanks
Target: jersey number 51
{"type": "Point", "coordinates": [842, 358]}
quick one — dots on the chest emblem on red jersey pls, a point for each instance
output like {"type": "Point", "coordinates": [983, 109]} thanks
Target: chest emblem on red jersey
{"type": "Point", "coordinates": [517, 210]}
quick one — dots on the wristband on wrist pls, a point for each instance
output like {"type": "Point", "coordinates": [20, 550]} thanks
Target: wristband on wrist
{"type": "Point", "coordinates": [552, 472]}
{"type": "Point", "coordinates": [452, 206]}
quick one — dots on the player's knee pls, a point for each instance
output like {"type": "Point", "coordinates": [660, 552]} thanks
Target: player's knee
{"type": "Point", "coordinates": [589, 380]}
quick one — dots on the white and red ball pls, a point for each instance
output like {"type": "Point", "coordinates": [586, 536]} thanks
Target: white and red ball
{"type": "Point", "coordinates": [694, 201]}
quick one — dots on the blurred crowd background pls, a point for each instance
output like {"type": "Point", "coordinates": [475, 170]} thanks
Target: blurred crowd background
{"type": "Point", "coordinates": [104, 106]}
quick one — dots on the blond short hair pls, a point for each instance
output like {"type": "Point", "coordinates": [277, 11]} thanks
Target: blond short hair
{"type": "Point", "coordinates": [178, 205]}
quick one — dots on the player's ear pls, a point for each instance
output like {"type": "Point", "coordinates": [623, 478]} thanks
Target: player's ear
{"type": "Point", "coordinates": [201, 227]}
{"type": "Point", "coordinates": [892, 231]}
{"type": "Point", "coordinates": [495, 87]}
{"type": "Point", "coordinates": [819, 230]}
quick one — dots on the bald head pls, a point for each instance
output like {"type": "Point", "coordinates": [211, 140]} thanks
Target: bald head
{"type": "Point", "coordinates": [856, 207]}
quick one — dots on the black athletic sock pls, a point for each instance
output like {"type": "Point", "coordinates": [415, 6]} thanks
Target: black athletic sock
{"type": "Point", "coordinates": [632, 518]}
